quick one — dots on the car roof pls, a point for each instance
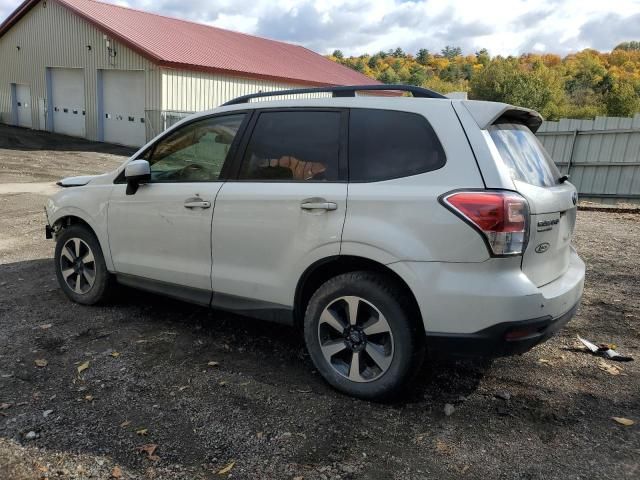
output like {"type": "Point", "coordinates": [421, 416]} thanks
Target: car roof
{"type": "Point", "coordinates": [483, 112]}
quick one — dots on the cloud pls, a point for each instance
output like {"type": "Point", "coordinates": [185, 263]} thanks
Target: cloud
{"type": "Point", "coordinates": [610, 30]}
{"type": "Point", "coordinates": [506, 27]}
{"type": "Point", "coordinates": [320, 31]}
{"type": "Point", "coordinates": [532, 19]}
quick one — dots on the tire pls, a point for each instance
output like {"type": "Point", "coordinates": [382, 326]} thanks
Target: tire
{"type": "Point", "coordinates": [95, 280]}
{"type": "Point", "coordinates": [386, 361]}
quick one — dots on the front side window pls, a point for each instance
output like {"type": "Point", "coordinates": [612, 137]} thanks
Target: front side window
{"type": "Point", "coordinates": [195, 152]}
{"type": "Point", "coordinates": [524, 156]}
{"type": "Point", "coordinates": [295, 146]}
{"type": "Point", "coordinates": [386, 144]}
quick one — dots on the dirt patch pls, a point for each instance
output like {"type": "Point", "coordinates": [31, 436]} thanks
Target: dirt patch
{"type": "Point", "coordinates": [28, 156]}
{"type": "Point", "coordinates": [37, 188]}
{"type": "Point", "coordinates": [546, 414]}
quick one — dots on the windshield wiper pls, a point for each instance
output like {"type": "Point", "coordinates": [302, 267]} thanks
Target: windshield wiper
{"type": "Point", "coordinates": [563, 178]}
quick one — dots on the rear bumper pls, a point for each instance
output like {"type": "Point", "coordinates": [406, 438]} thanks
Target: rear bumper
{"type": "Point", "coordinates": [502, 339]}
{"type": "Point", "coordinates": [490, 308]}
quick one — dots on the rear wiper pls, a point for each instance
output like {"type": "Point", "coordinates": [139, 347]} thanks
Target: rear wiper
{"type": "Point", "coordinates": [563, 178]}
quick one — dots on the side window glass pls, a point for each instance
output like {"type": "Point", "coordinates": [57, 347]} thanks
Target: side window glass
{"type": "Point", "coordinates": [297, 146]}
{"type": "Point", "coordinates": [196, 152]}
{"type": "Point", "coordinates": [386, 144]}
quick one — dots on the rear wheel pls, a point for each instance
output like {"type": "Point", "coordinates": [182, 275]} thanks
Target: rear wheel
{"type": "Point", "coordinates": [80, 266]}
{"type": "Point", "coordinates": [360, 335]}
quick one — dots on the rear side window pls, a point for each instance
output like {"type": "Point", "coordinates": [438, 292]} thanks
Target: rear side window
{"type": "Point", "coordinates": [385, 144]}
{"type": "Point", "coordinates": [294, 146]}
{"type": "Point", "coordinates": [524, 155]}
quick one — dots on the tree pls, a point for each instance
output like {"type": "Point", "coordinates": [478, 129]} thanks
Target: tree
{"type": "Point", "coordinates": [423, 56]}
{"type": "Point", "coordinates": [633, 45]}
{"type": "Point", "coordinates": [338, 54]}
{"type": "Point", "coordinates": [359, 66]}
{"type": "Point", "coordinates": [374, 60]}
{"type": "Point", "coordinates": [622, 100]}
{"type": "Point", "coordinates": [580, 85]}
{"type": "Point", "coordinates": [388, 76]}
{"type": "Point", "coordinates": [505, 81]}
{"type": "Point", "coordinates": [483, 56]}
{"type": "Point", "coordinates": [451, 52]}
{"type": "Point", "coordinates": [418, 75]}
{"type": "Point", "coordinates": [452, 73]}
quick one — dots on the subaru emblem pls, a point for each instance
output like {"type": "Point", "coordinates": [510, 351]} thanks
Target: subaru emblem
{"type": "Point", "coordinates": [543, 247]}
{"type": "Point", "coordinates": [574, 198]}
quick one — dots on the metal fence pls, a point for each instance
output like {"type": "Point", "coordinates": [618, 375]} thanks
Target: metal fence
{"type": "Point", "coordinates": [159, 120]}
{"type": "Point", "coordinates": [602, 156]}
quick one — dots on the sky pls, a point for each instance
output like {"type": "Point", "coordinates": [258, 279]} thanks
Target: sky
{"type": "Point", "coordinates": [367, 26]}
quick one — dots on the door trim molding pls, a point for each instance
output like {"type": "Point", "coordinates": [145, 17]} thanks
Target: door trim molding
{"type": "Point", "coordinates": [249, 307]}
{"type": "Point", "coordinates": [180, 292]}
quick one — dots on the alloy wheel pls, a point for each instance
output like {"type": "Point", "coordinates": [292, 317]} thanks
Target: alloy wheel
{"type": "Point", "coordinates": [355, 339]}
{"type": "Point", "coordinates": [78, 265]}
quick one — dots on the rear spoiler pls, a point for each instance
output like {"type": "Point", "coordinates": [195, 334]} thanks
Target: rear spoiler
{"type": "Point", "coordinates": [488, 113]}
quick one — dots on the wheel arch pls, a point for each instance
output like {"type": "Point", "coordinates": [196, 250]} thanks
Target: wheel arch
{"type": "Point", "coordinates": [322, 270]}
{"type": "Point", "coordinates": [70, 218]}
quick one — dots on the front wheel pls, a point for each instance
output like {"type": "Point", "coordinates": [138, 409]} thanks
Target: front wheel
{"type": "Point", "coordinates": [361, 337]}
{"type": "Point", "coordinates": [80, 267]}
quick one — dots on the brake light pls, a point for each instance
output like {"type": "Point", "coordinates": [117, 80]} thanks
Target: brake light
{"type": "Point", "coordinates": [501, 217]}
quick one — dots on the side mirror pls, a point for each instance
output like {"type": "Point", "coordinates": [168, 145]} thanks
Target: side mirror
{"type": "Point", "coordinates": [136, 172]}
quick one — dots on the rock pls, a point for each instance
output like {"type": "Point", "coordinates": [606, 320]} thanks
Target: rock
{"type": "Point", "coordinates": [449, 409]}
{"type": "Point", "coordinates": [46, 413]}
{"type": "Point", "coordinates": [504, 395]}
{"type": "Point", "coordinates": [31, 435]}
{"type": "Point", "coordinates": [348, 469]}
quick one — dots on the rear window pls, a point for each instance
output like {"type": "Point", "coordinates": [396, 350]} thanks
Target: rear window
{"type": "Point", "coordinates": [385, 144]}
{"type": "Point", "coordinates": [524, 155]}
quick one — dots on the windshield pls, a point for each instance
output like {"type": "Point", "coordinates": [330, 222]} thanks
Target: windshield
{"type": "Point", "coordinates": [524, 155]}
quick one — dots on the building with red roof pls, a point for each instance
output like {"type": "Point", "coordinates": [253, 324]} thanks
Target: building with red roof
{"type": "Point", "coordinates": [109, 73]}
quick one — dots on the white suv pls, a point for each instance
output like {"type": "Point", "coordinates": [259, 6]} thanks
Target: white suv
{"type": "Point", "coordinates": [384, 226]}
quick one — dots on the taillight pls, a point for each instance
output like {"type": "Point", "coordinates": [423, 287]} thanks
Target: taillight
{"type": "Point", "coordinates": [501, 217]}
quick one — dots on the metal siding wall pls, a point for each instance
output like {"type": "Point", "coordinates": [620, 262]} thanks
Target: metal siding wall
{"type": "Point", "coordinates": [189, 91]}
{"type": "Point", "coordinates": [601, 148]}
{"type": "Point", "coordinates": [55, 37]}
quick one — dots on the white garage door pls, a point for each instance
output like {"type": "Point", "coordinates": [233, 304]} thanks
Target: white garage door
{"type": "Point", "coordinates": [23, 106]}
{"type": "Point", "coordinates": [123, 107]}
{"type": "Point", "coordinates": [67, 89]}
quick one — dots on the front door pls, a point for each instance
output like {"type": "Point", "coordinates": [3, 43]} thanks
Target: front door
{"type": "Point", "coordinates": [23, 106]}
{"type": "Point", "coordinates": [163, 231]}
{"type": "Point", "coordinates": [285, 210]}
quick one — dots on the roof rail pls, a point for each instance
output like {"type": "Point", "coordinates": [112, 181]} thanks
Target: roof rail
{"type": "Point", "coordinates": [340, 91]}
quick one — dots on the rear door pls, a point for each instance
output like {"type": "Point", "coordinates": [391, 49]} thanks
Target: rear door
{"type": "Point", "coordinates": [284, 211]}
{"type": "Point", "coordinates": [552, 203]}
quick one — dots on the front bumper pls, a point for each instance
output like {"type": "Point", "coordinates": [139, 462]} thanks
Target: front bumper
{"type": "Point", "coordinates": [502, 339]}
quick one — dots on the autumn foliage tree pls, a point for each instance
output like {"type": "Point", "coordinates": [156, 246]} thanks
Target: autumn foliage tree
{"type": "Point", "coordinates": [580, 85]}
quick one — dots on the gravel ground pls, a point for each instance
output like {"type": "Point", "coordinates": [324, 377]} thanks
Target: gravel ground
{"type": "Point", "coordinates": [87, 392]}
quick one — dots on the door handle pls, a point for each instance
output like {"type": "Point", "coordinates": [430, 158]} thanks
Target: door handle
{"type": "Point", "coordinates": [196, 203]}
{"type": "Point", "coordinates": [318, 205]}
